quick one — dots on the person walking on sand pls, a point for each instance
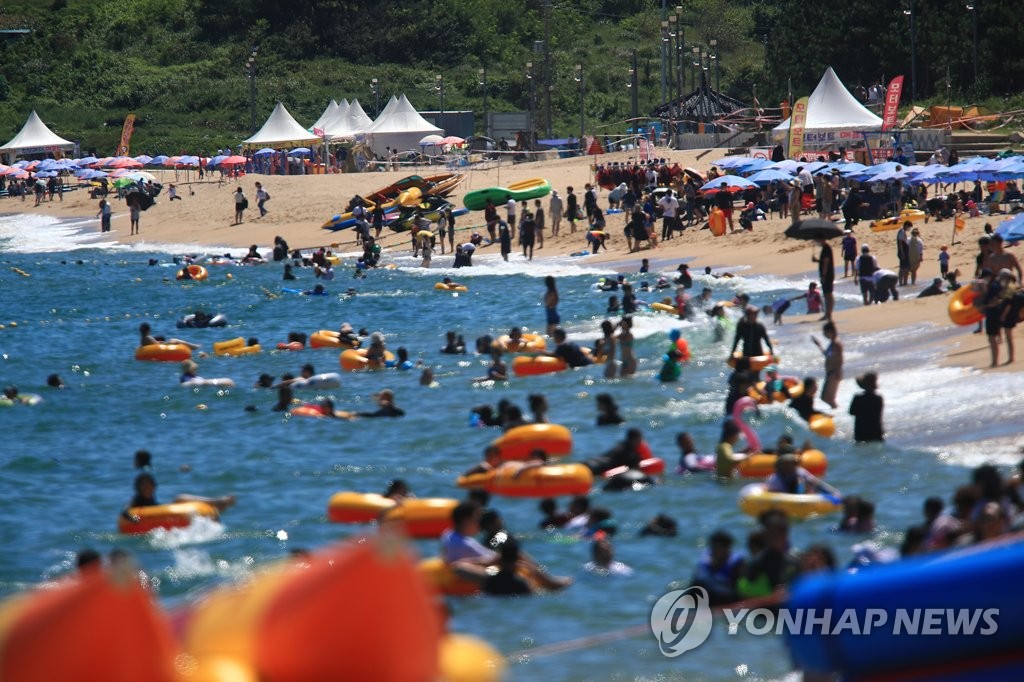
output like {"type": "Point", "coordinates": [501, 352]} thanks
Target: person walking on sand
{"type": "Point", "coordinates": [555, 211]}
{"type": "Point", "coordinates": [262, 197]}
{"type": "Point", "coordinates": [134, 212]}
{"type": "Point", "coordinates": [104, 215]}
{"type": "Point", "coordinates": [505, 239]}
{"type": "Point", "coordinates": [572, 210]}
{"type": "Point", "coordinates": [833, 353]}
{"type": "Point", "coordinates": [510, 210]}
{"type": "Point", "coordinates": [551, 305]}
{"type": "Point", "coordinates": [241, 203]}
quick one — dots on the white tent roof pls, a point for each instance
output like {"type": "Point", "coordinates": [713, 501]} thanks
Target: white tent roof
{"type": "Point", "coordinates": [34, 137]}
{"type": "Point", "coordinates": [402, 118]}
{"type": "Point", "coordinates": [338, 123]}
{"type": "Point", "coordinates": [332, 108]}
{"type": "Point", "coordinates": [280, 129]}
{"type": "Point", "coordinates": [832, 107]}
{"type": "Point", "coordinates": [358, 117]}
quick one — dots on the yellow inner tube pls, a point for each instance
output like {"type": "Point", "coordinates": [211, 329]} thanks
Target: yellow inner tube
{"type": "Point", "coordinates": [755, 500]}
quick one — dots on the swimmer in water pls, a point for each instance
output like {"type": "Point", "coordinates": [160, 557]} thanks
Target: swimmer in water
{"type": "Point", "coordinates": [147, 339]}
{"type": "Point", "coordinates": [145, 496]}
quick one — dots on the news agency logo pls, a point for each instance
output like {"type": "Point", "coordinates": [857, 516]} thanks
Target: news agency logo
{"type": "Point", "coordinates": [681, 620]}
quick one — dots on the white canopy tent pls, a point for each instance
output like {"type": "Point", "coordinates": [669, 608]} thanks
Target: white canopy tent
{"type": "Point", "coordinates": [357, 117]}
{"type": "Point", "coordinates": [399, 127]}
{"type": "Point", "coordinates": [35, 138]}
{"type": "Point", "coordinates": [332, 108]}
{"type": "Point", "coordinates": [337, 125]}
{"type": "Point", "coordinates": [280, 130]}
{"type": "Point", "coordinates": [832, 109]}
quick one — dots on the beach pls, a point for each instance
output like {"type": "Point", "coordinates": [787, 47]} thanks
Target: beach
{"type": "Point", "coordinates": [299, 206]}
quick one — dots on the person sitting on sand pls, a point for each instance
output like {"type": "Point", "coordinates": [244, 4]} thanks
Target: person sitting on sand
{"type": "Point", "coordinates": [145, 496]}
{"type": "Point", "coordinates": [933, 289]}
{"type": "Point", "coordinates": [793, 479]}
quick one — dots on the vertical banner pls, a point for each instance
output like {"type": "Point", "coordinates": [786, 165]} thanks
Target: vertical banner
{"type": "Point", "coordinates": [126, 135]}
{"type": "Point", "coordinates": [796, 128]}
{"type": "Point", "coordinates": [892, 103]}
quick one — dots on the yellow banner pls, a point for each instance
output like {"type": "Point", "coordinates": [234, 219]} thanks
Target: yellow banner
{"type": "Point", "coordinates": [126, 135]}
{"type": "Point", "coordinates": [796, 128]}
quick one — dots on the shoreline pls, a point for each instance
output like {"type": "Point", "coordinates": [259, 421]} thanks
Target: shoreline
{"type": "Point", "coordinates": [300, 204]}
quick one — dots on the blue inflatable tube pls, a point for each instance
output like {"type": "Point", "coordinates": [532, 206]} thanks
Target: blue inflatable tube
{"type": "Point", "coordinates": [953, 616]}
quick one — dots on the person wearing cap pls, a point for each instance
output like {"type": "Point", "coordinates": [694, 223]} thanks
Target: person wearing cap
{"type": "Point", "coordinates": [793, 479]}
{"type": "Point", "coordinates": [684, 279]}
{"type": "Point", "coordinates": [385, 406]}
{"type": "Point", "coordinates": [751, 333]}
{"type": "Point", "coordinates": [865, 267]}
{"type": "Point", "coordinates": [866, 409]}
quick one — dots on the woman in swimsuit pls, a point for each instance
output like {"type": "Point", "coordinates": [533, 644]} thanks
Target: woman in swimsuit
{"type": "Point", "coordinates": [551, 304]}
{"type": "Point", "coordinates": [626, 344]}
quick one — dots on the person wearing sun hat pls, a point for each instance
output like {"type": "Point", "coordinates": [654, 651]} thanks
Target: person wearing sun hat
{"type": "Point", "coordinates": [866, 409]}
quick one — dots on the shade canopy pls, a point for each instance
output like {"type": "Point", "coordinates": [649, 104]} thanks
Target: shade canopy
{"type": "Point", "coordinates": [280, 130]}
{"type": "Point", "coordinates": [831, 108]}
{"type": "Point", "coordinates": [34, 138]}
{"type": "Point", "coordinates": [332, 108]}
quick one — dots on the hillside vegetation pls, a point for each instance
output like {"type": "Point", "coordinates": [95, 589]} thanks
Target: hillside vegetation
{"type": "Point", "coordinates": [180, 64]}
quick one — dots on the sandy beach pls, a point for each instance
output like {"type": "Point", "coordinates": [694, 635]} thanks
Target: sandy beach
{"type": "Point", "coordinates": [299, 205]}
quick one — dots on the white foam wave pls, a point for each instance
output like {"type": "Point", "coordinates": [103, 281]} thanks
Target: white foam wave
{"type": "Point", "coordinates": [201, 530]}
{"type": "Point", "coordinates": [493, 264]}
{"type": "Point", "coordinates": [30, 233]}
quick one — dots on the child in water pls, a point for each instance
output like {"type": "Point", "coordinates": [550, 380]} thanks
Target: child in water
{"type": "Point", "coordinates": [671, 369]}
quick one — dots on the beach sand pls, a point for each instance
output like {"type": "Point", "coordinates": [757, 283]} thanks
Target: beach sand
{"type": "Point", "coordinates": [299, 205]}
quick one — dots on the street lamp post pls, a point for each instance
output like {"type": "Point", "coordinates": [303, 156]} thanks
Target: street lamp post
{"type": "Point", "coordinates": [718, 85]}
{"type": "Point", "coordinates": [533, 100]}
{"type": "Point", "coordinates": [673, 38]}
{"type": "Point", "coordinates": [680, 54]}
{"type": "Point", "coordinates": [913, 52]}
{"type": "Point", "coordinates": [439, 87]}
{"type": "Point", "coordinates": [482, 82]}
{"type": "Point", "coordinates": [579, 79]}
{"type": "Point", "coordinates": [634, 95]}
{"type": "Point", "coordinates": [972, 7]}
{"type": "Point", "coordinates": [375, 91]}
{"type": "Point", "coordinates": [704, 79]}
{"type": "Point", "coordinates": [250, 70]}
{"type": "Point", "coordinates": [665, 56]}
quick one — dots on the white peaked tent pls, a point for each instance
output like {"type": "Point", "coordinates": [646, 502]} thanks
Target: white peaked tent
{"type": "Point", "coordinates": [280, 130]}
{"type": "Point", "coordinates": [831, 108]}
{"type": "Point", "coordinates": [357, 117]}
{"type": "Point", "coordinates": [400, 127]}
{"type": "Point", "coordinates": [353, 122]}
{"type": "Point", "coordinates": [34, 138]}
{"type": "Point", "coordinates": [332, 108]}
{"type": "Point", "coordinates": [337, 125]}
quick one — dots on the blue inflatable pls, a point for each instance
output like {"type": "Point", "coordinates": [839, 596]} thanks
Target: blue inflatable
{"type": "Point", "coordinates": [953, 616]}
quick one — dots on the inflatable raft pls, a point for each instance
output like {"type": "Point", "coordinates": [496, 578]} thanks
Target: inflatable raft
{"type": "Point", "coordinates": [550, 480]}
{"type": "Point", "coordinates": [174, 515]}
{"type": "Point", "coordinates": [755, 499]}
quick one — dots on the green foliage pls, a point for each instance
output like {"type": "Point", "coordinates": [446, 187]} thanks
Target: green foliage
{"type": "Point", "coordinates": [180, 64]}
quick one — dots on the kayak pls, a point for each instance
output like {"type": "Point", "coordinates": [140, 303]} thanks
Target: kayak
{"type": "Point", "coordinates": [534, 188]}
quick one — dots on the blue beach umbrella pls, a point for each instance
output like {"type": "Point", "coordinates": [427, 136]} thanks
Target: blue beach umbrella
{"type": "Point", "coordinates": [299, 151]}
{"type": "Point", "coordinates": [216, 161]}
{"type": "Point", "coordinates": [85, 161]}
{"type": "Point", "coordinates": [143, 158]}
{"type": "Point", "coordinates": [733, 182]}
{"type": "Point", "coordinates": [769, 175]}
{"type": "Point", "coordinates": [159, 160]}
{"type": "Point", "coordinates": [1012, 230]}
{"type": "Point", "coordinates": [266, 151]}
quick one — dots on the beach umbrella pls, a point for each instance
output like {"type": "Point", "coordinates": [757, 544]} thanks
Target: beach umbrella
{"type": "Point", "coordinates": [453, 139]}
{"type": "Point", "coordinates": [751, 165]}
{"type": "Point", "coordinates": [158, 160]}
{"type": "Point", "coordinates": [85, 161]}
{"type": "Point", "coordinates": [769, 175]}
{"type": "Point", "coordinates": [787, 165]}
{"type": "Point", "coordinates": [46, 174]}
{"type": "Point", "coordinates": [233, 160]}
{"type": "Point", "coordinates": [124, 181]}
{"type": "Point", "coordinates": [187, 161]}
{"type": "Point", "coordinates": [141, 175]}
{"type": "Point", "coordinates": [730, 161]}
{"type": "Point", "coordinates": [1012, 230]}
{"type": "Point", "coordinates": [143, 159]}
{"type": "Point", "coordinates": [46, 164]}
{"type": "Point", "coordinates": [695, 174]}
{"type": "Point", "coordinates": [299, 151]}
{"type": "Point", "coordinates": [733, 182]}
{"type": "Point", "coordinates": [431, 140]}
{"type": "Point", "coordinates": [31, 165]}
{"type": "Point", "coordinates": [266, 151]}
{"type": "Point", "coordinates": [217, 160]}
{"type": "Point", "coordinates": [814, 228]}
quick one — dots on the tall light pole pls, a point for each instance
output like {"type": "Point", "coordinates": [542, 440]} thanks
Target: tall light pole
{"type": "Point", "coordinates": [250, 70]}
{"type": "Point", "coordinates": [913, 52]}
{"type": "Point", "coordinates": [664, 62]}
{"type": "Point", "coordinates": [482, 82]}
{"type": "Point", "coordinates": [718, 85]}
{"type": "Point", "coordinates": [375, 91]}
{"type": "Point", "coordinates": [673, 38]}
{"type": "Point", "coordinates": [702, 72]}
{"type": "Point", "coordinates": [972, 7]}
{"type": "Point", "coordinates": [439, 87]}
{"type": "Point", "coordinates": [680, 54]}
{"type": "Point", "coordinates": [579, 79]}
{"type": "Point", "coordinates": [533, 102]}
{"type": "Point", "coordinates": [634, 95]}
{"type": "Point", "coordinates": [548, 86]}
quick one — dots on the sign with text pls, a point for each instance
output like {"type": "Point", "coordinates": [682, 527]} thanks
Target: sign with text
{"type": "Point", "coordinates": [892, 103]}
{"type": "Point", "coordinates": [796, 128]}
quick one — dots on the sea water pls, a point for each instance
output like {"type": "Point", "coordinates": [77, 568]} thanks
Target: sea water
{"type": "Point", "coordinates": [66, 464]}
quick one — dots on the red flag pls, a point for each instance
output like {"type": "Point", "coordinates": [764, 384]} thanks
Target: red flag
{"type": "Point", "coordinates": [892, 103]}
